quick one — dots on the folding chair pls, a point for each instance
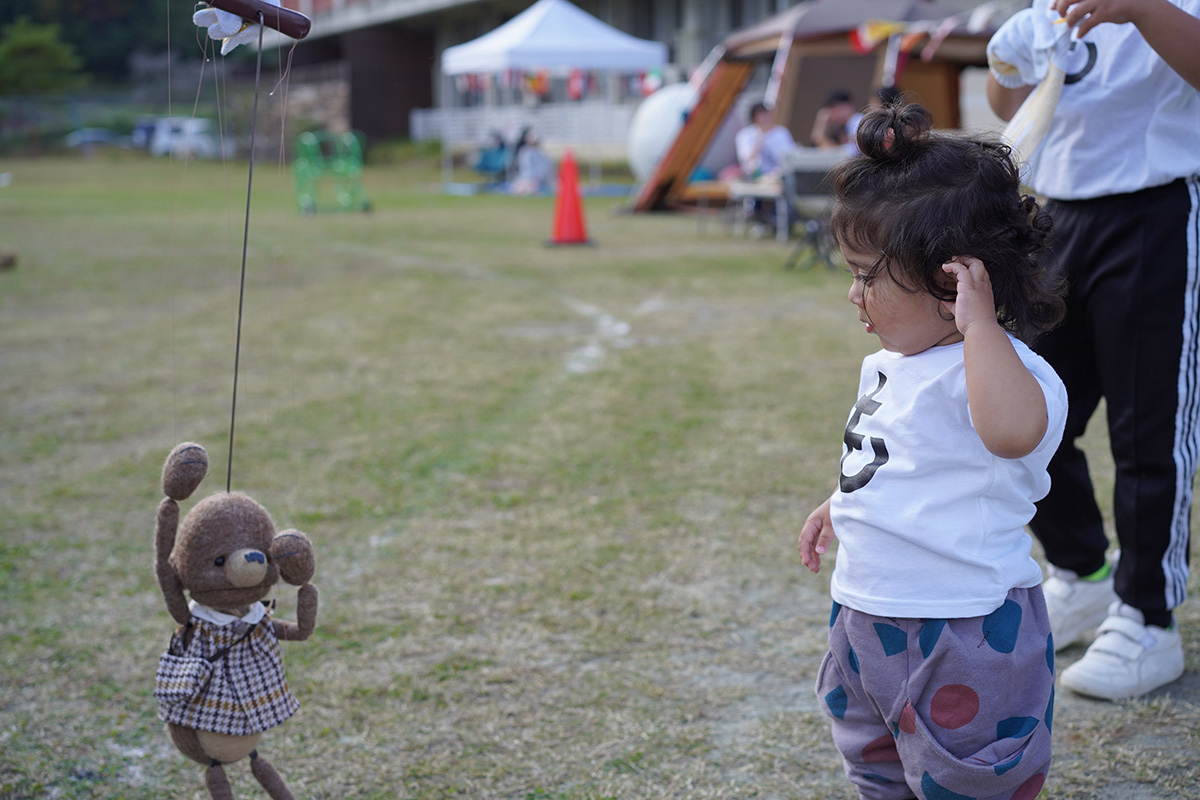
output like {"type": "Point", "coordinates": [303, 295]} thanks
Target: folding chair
{"type": "Point", "coordinates": [807, 189]}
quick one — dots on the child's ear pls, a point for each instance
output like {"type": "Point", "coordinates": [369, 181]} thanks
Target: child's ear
{"type": "Point", "coordinates": [946, 310]}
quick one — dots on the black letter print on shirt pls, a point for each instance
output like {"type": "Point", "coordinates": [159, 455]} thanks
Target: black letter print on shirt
{"type": "Point", "coordinates": [854, 441]}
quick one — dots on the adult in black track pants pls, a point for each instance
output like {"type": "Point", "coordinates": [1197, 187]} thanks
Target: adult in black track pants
{"type": "Point", "coordinates": [1121, 164]}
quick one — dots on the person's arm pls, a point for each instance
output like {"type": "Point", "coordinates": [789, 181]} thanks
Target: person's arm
{"type": "Point", "coordinates": [1004, 101]}
{"type": "Point", "coordinates": [776, 144]}
{"type": "Point", "coordinates": [1008, 408]}
{"type": "Point", "coordinates": [1172, 32]}
{"type": "Point", "coordinates": [747, 143]}
{"type": "Point", "coordinates": [782, 140]}
{"type": "Point", "coordinates": [820, 131]}
{"type": "Point", "coordinates": [816, 536]}
{"type": "Point", "coordinates": [1019, 57]}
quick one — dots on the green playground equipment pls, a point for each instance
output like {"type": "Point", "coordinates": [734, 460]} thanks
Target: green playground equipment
{"type": "Point", "coordinates": [333, 159]}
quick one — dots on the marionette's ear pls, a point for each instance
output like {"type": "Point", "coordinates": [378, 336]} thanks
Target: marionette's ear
{"type": "Point", "coordinates": [293, 553]}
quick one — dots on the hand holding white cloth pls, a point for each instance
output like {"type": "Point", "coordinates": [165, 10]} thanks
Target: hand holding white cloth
{"type": "Point", "coordinates": [1021, 50]}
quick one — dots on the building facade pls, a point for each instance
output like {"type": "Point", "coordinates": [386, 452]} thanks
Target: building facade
{"type": "Point", "coordinates": [380, 58]}
{"type": "Point", "coordinates": [387, 52]}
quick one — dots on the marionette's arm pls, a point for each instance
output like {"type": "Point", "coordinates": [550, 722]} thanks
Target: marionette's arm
{"type": "Point", "coordinates": [293, 553]}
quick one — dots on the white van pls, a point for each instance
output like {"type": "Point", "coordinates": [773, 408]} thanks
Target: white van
{"type": "Point", "coordinates": [190, 137]}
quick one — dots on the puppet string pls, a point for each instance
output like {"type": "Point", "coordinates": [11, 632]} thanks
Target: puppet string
{"type": "Point", "coordinates": [237, 353]}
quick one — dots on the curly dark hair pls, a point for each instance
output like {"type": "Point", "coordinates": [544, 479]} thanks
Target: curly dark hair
{"type": "Point", "coordinates": [919, 198]}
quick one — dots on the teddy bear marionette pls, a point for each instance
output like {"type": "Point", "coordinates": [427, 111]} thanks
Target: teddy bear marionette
{"type": "Point", "coordinates": [220, 684]}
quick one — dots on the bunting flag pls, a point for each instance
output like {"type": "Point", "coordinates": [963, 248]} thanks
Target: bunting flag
{"type": "Point", "coordinates": [939, 36]}
{"type": "Point", "coordinates": [576, 84]}
{"type": "Point", "coordinates": [652, 81]}
{"type": "Point", "coordinates": [537, 83]}
{"type": "Point", "coordinates": [868, 35]}
{"type": "Point", "coordinates": [912, 38]}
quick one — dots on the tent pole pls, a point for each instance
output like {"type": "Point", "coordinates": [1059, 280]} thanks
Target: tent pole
{"type": "Point", "coordinates": [778, 67]}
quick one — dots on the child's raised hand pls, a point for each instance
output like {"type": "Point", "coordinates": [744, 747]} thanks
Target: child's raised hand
{"type": "Point", "coordinates": [974, 303]}
{"type": "Point", "coordinates": [815, 537]}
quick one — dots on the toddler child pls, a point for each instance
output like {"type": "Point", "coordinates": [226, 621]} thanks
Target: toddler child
{"type": "Point", "coordinates": [939, 681]}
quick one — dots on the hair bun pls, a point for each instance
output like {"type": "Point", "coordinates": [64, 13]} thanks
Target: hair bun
{"type": "Point", "coordinates": [892, 131]}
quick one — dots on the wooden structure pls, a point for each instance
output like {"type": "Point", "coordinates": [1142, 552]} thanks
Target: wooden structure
{"type": "Point", "coordinates": [811, 51]}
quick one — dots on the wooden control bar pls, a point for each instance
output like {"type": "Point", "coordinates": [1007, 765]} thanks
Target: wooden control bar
{"type": "Point", "coordinates": [288, 22]}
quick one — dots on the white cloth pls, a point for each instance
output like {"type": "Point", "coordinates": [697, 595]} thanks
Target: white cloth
{"type": "Point", "coordinates": [1130, 122]}
{"type": "Point", "coordinates": [937, 529]}
{"type": "Point", "coordinates": [775, 143]}
{"type": "Point", "coordinates": [1020, 51]}
{"type": "Point", "coordinates": [252, 617]}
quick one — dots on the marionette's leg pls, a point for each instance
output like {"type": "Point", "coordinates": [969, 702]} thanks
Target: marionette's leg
{"type": "Point", "coordinates": [269, 778]}
{"type": "Point", "coordinates": [217, 783]}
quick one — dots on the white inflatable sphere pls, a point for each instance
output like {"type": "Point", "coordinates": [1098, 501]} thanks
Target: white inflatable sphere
{"type": "Point", "coordinates": [654, 127]}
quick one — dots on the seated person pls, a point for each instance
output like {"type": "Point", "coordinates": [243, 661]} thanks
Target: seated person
{"type": "Point", "coordinates": [493, 160]}
{"type": "Point", "coordinates": [535, 170]}
{"type": "Point", "coordinates": [836, 123]}
{"type": "Point", "coordinates": [761, 147]}
{"type": "Point", "coordinates": [761, 144]}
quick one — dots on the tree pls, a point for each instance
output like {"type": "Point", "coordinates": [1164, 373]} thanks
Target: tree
{"type": "Point", "coordinates": [33, 60]}
{"type": "Point", "coordinates": [105, 33]}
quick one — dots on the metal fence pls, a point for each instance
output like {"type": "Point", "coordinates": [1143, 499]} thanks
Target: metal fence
{"type": "Point", "coordinates": [594, 126]}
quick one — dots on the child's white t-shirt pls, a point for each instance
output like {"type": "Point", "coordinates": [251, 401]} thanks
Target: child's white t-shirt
{"type": "Point", "coordinates": [929, 523]}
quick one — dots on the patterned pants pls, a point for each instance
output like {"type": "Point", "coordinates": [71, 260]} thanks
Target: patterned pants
{"type": "Point", "coordinates": [938, 709]}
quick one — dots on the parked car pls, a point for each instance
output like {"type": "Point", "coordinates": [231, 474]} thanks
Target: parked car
{"type": "Point", "coordinates": [143, 129]}
{"type": "Point", "coordinates": [190, 137]}
{"type": "Point", "coordinates": [90, 137]}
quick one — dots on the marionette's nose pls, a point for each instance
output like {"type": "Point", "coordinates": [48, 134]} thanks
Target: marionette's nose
{"type": "Point", "coordinates": [246, 568]}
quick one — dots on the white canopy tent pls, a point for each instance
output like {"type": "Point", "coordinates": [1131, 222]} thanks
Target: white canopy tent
{"type": "Point", "coordinates": [551, 35]}
{"type": "Point", "coordinates": [554, 34]}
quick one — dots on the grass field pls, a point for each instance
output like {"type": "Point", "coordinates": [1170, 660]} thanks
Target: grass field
{"type": "Point", "coordinates": [554, 492]}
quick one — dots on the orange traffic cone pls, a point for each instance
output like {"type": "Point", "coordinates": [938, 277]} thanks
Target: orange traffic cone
{"type": "Point", "coordinates": [569, 227]}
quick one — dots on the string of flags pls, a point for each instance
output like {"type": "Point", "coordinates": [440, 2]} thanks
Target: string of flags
{"type": "Point", "coordinates": [904, 38]}
{"type": "Point", "coordinates": [579, 82]}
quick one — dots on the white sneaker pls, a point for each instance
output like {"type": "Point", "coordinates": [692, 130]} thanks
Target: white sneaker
{"type": "Point", "coordinates": [1074, 605]}
{"type": "Point", "coordinates": [1129, 658]}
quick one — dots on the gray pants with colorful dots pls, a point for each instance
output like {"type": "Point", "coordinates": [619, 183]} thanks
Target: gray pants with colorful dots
{"type": "Point", "coordinates": [942, 709]}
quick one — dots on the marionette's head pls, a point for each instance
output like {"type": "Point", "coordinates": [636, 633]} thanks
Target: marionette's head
{"type": "Point", "coordinates": [226, 553]}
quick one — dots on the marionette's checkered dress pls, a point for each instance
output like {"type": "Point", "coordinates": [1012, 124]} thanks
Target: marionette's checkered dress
{"type": "Point", "coordinates": [247, 693]}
